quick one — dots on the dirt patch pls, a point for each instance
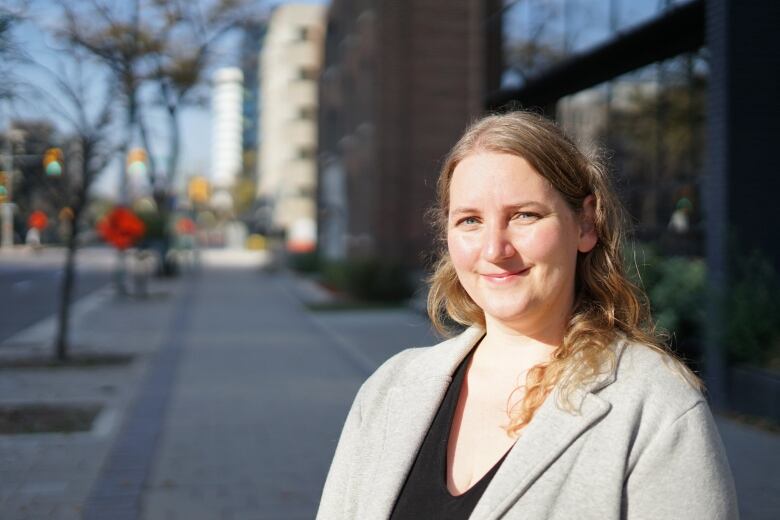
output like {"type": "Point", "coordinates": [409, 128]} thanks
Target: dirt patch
{"type": "Point", "coordinates": [46, 418]}
{"type": "Point", "coordinates": [80, 360]}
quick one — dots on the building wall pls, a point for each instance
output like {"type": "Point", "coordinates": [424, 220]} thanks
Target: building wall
{"type": "Point", "coordinates": [251, 44]}
{"type": "Point", "coordinates": [227, 101]}
{"type": "Point", "coordinates": [290, 67]}
{"type": "Point", "coordinates": [402, 80]}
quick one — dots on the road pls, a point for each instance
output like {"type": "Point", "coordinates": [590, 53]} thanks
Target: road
{"type": "Point", "coordinates": [30, 284]}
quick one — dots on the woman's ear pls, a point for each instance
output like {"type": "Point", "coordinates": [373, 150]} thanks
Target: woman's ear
{"type": "Point", "coordinates": [588, 234]}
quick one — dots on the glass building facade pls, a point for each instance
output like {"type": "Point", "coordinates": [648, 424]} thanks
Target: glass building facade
{"type": "Point", "coordinates": [649, 123]}
{"type": "Point", "coordinates": [540, 33]}
{"type": "Point", "coordinates": [680, 96]}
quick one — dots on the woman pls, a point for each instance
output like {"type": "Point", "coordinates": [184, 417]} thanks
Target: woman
{"type": "Point", "coordinates": [558, 400]}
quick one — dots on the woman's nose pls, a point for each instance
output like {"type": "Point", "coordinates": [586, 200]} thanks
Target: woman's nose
{"type": "Point", "coordinates": [496, 245]}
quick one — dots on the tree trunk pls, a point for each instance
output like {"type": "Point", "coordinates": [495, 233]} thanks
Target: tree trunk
{"type": "Point", "coordinates": [68, 279]}
{"type": "Point", "coordinates": [120, 273]}
{"type": "Point", "coordinates": [66, 292]}
{"type": "Point", "coordinates": [149, 155]}
{"type": "Point", "coordinates": [175, 144]}
{"type": "Point", "coordinates": [163, 195]}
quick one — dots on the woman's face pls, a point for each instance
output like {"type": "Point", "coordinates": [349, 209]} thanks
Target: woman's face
{"type": "Point", "coordinates": [513, 241]}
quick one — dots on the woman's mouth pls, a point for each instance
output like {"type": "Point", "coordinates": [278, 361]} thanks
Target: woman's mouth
{"type": "Point", "coordinates": [505, 277]}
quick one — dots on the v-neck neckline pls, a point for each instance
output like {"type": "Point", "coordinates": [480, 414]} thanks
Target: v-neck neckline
{"type": "Point", "coordinates": [456, 387]}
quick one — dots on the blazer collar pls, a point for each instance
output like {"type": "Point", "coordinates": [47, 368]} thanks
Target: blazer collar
{"type": "Point", "coordinates": [549, 434]}
{"type": "Point", "coordinates": [414, 401]}
{"type": "Point", "coordinates": [412, 405]}
{"type": "Point", "coordinates": [552, 430]}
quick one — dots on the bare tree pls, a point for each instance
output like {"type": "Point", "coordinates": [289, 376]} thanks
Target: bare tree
{"type": "Point", "coordinates": [169, 42]}
{"type": "Point", "coordinates": [115, 34]}
{"type": "Point", "coordinates": [88, 152]}
{"type": "Point", "coordinates": [187, 41]}
{"type": "Point", "coordinates": [186, 51]}
{"type": "Point", "coordinates": [10, 52]}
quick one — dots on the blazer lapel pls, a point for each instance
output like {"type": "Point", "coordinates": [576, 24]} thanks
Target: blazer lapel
{"type": "Point", "coordinates": [412, 405]}
{"type": "Point", "coordinates": [410, 412]}
{"type": "Point", "coordinates": [549, 434]}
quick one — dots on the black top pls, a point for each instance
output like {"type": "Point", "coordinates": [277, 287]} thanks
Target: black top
{"type": "Point", "coordinates": [425, 493]}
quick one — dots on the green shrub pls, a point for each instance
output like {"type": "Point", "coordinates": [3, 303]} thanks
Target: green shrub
{"type": "Point", "coordinates": [678, 295]}
{"type": "Point", "coordinates": [369, 279]}
{"type": "Point", "coordinates": [753, 313]}
{"type": "Point", "coordinates": [677, 288]}
{"type": "Point", "coordinates": [303, 262]}
{"type": "Point", "coordinates": [156, 225]}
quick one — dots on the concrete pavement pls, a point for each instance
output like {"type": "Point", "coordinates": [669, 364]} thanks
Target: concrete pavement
{"type": "Point", "coordinates": [232, 406]}
{"type": "Point", "coordinates": [46, 476]}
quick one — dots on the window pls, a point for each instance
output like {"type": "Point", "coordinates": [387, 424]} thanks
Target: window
{"type": "Point", "coordinates": [307, 152]}
{"type": "Point", "coordinates": [308, 113]}
{"type": "Point", "coordinates": [308, 74]}
{"type": "Point", "coordinates": [302, 34]}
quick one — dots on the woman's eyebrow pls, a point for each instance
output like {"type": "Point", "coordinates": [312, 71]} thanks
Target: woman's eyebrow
{"type": "Point", "coordinates": [514, 205]}
{"type": "Point", "coordinates": [523, 204]}
{"type": "Point", "coordinates": [460, 211]}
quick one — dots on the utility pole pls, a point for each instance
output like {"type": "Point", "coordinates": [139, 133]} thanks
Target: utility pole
{"type": "Point", "coordinates": [7, 208]}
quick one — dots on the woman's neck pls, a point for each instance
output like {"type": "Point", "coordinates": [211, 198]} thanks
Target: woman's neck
{"type": "Point", "coordinates": [506, 347]}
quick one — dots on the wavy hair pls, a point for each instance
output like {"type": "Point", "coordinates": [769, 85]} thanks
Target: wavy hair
{"type": "Point", "coordinates": [607, 305]}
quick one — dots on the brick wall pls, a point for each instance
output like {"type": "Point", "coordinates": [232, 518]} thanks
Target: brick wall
{"type": "Point", "coordinates": [412, 77]}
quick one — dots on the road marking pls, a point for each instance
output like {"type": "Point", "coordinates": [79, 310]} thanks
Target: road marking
{"type": "Point", "coordinates": [44, 330]}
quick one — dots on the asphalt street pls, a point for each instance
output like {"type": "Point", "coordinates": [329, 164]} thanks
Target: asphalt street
{"type": "Point", "coordinates": [31, 294]}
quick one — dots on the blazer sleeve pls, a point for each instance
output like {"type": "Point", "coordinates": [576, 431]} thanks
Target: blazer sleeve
{"type": "Point", "coordinates": [337, 499]}
{"type": "Point", "coordinates": [683, 473]}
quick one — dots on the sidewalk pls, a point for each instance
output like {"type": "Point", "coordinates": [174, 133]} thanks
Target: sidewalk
{"type": "Point", "coordinates": [50, 475]}
{"type": "Point", "coordinates": [233, 405]}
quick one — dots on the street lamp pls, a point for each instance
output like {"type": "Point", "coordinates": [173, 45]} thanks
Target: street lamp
{"type": "Point", "coordinates": [53, 160]}
{"type": "Point", "coordinates": [136, 162]}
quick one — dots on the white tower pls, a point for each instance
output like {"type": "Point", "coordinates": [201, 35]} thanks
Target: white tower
{"type": "Point", "coordinates": [226, 108]}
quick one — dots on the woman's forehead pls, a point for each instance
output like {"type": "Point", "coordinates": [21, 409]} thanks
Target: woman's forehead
{"type": "Point", "coordinates": [497, 177]}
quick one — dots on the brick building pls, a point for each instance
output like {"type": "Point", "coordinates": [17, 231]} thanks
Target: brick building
{"type": "Point", "coordinates": [400, 82]}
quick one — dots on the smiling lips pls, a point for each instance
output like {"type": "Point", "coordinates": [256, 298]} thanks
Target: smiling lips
{"type": "Point", "coordinates": [505, 277]}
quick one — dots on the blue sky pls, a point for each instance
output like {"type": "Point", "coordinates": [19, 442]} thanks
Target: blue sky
{"type": "Point", "coordinates": [196, 122]}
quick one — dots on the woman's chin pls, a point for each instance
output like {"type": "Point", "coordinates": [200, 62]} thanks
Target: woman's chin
{"type": "Point", "coordinates": [507, 316]}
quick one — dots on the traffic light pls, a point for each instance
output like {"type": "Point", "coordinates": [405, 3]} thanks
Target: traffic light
{"type": "Point", "coordinates": [198, 190]}
{"type": "Point", "coordinates": [136, 162]}
{"type": "Point", "coordinates": [53, 161]}
{"type": "Point", "coordinates": [3, 186]}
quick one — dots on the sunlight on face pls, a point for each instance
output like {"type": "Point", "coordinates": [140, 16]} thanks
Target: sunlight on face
{"type": "Point", "coordinates": [513, 241]}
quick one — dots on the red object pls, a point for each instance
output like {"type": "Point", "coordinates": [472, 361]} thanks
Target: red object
{"type": "Point", "coordinates": [185, 226]}
{"type": "Point", "coordinates": [121, 228]}
{"type": "Point", "coordinates": [38, 220]}
{"type": "Point", "coordinates": [301, 246]}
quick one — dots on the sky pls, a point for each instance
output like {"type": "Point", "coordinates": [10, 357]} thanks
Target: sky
{"type": "Point", "coordinates": [33, 38]}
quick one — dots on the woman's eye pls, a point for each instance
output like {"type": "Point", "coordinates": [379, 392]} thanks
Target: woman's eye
{"type": "Point", "coordinates": [469, 221]}
{"type": "Point", "coordinates": [526, 216]}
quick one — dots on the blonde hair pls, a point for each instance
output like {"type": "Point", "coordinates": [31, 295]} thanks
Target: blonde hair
{"type": "Point", "coordinates": [607, 304]}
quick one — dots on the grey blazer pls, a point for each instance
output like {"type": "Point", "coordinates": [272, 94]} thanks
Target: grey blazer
{"type": "Point", "coordinates": [643, 445]}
